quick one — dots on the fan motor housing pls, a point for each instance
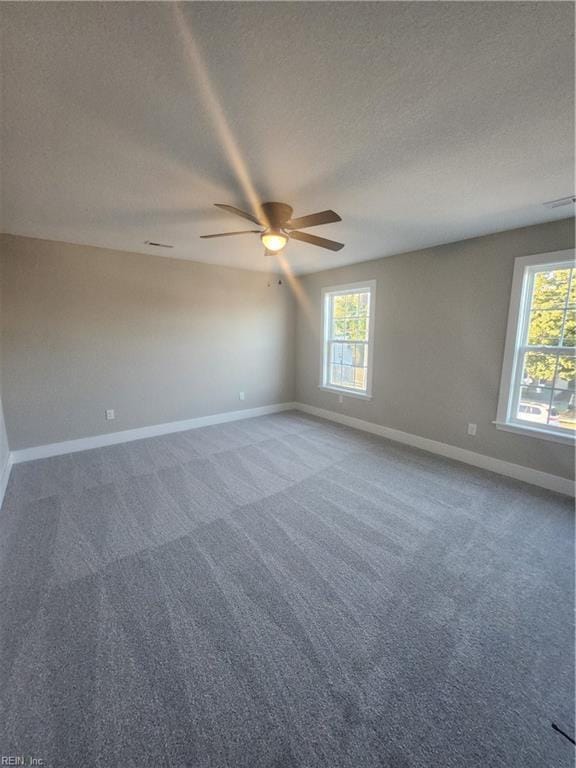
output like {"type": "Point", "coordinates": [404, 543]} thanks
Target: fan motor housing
{"type": "Point", "coordinates": [276, 214]}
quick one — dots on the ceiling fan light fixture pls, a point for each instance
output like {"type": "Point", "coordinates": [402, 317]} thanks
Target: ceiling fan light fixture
{"type": "Point", "coordinates": [274, 240]}
{"type": "Point", "coordinates": [279, 226]}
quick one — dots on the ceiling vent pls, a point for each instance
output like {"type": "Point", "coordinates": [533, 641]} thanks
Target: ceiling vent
{"type": "Point", "coordinates": [570, 200]}
{"type": "Point", "coordinates": [157, 245]}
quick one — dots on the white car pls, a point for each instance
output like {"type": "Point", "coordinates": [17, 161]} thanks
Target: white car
{"type": "Point", "coordinates": [541, 414]}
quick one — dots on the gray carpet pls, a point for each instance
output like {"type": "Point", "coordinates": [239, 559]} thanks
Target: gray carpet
{"type": "Point", "coordinates": [283, 592]}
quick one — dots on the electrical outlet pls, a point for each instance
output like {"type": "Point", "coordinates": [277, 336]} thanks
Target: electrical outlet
{"type": "Point", "coordinates": [472, 429]}
{"type": "Point", "coordinates": [241, 396]}
{"type": "Point", "coordinates": [110, 415]}
{"type": "Point", "coordinates": [340, 398]}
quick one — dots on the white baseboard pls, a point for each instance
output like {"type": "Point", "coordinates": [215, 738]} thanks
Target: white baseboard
{"type": "Point", "coordinates": [518, 472]}
{"type": "Point", "coordinates": [127, 435]}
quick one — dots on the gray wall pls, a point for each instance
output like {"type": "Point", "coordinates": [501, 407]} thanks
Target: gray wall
{"type": "Point", "coordinates": [157, 339]}
{"type": "Point", "coordinates": [441, 319]}
{"type": "Point", "coordinates": [4, 452]}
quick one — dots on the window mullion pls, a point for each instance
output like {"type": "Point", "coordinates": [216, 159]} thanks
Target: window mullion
{"type": "Point", "coordinates": [544, 350]}
{"type": "Point", "coordinates": [565, 315]}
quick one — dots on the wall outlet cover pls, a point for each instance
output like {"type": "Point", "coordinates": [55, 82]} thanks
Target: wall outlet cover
{"type": "Point", "coordinates": [110, 415]}
{"type": "Point", "coordinates": [472, 429]}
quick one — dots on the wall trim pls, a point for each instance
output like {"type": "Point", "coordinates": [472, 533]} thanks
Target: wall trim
{"type": "Point", "coordinates": [141, 433]}
{"type": "Point", "coordinates": [516, 471]}
{"type": "Point", "coordinates": [4, 477]}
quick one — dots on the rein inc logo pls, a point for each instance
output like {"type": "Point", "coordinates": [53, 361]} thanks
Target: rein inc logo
{"type": "Point", "coordinates": [20, 760]}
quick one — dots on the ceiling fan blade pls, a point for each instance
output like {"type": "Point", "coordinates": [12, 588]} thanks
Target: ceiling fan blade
{"type": "Point", "coordinates": [227, 234]}
{"type": "Point", "coordinates": [313, 220]}
{"type": "Point", "coordinates": [321, 242]}
{"type": "Point", "coordinates": [238, 212]}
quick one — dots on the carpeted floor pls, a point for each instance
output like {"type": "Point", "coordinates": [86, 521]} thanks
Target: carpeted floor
{"type": "Point", "coordinates": [283, 592]}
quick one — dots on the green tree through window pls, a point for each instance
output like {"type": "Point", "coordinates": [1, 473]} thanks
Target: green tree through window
{"type": "Point", "coordinates": [548, 365]}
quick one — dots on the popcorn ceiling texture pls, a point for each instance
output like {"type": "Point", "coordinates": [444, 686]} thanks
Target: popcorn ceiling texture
{"type": "Point", "coordinates": [419, 123]}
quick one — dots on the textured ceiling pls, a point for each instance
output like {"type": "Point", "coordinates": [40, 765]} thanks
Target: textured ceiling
{"type": "Point", "coordinates": [419, 123]}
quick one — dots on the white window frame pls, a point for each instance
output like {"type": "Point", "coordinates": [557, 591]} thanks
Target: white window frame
{"type": "Point", "coordinates": [506, 419]}
{"type": "Point", "coordinates": [365, 285]}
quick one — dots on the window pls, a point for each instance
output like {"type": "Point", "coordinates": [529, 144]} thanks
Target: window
{"type": "Point", "coordinates": [537, 390]}
{"type": "Point", "coordinates": [348, 323]}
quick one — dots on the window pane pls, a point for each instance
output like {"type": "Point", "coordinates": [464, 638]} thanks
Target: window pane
{"type": "Point", "coordinates": [534, 405]}
{"type": "Point", "coordinates": [352, 330]}
{"type": "Point", "coordinates": [539, 369]}
{"type": "Point", "coordinates": [350, 303]}
{"type": "Point", "coordinates": [545, 328]}
{"type": "Point", "coordinates": [565, 373]}
{"type": "Point", "coordinates": [338, 330]}
{"type": "Point", "coordinates": [565, 407]}
{"type": "Point", "coordinates": [570, 329]}
{"type": "Point", "coordinates": [353, 377]}
{"type": "Point", "coordinates": [348, 376]}
{"type": "Point", "coordinates": [339, 306]}
{"type": "Point", "coordinates": [550, 289]}
{"type": "Point", "coordinates": [363, 303]}
{"type": "Point", "coordinates": [572, 293]}
{"type": "Point", "coordinates": [359, 355]}
{"type": "Point", "coordinates": [360, 378]}
{"type": "Point", "coordinates": [348, 354]}
{"type": "Point", "coordinates": [336, 353]}
{"type": "Point", "coordinates": [356, 329]}
{"type": "Point", "coordinates": [335, 375]}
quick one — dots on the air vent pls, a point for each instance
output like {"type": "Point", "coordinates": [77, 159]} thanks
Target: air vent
{"type": "Point", "coordinates": [158, 245]}
{"type": "Point", "coordinates": [570, 200]}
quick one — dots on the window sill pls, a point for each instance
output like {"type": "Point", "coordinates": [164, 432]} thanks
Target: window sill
{"type": "Point", "coordinates": [543, 434]}
{"type": "Point", "coordinates": [346, 392]}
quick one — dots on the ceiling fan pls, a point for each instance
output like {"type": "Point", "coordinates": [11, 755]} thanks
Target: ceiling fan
{"type": "Point", "coordinates": [279, 226]}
